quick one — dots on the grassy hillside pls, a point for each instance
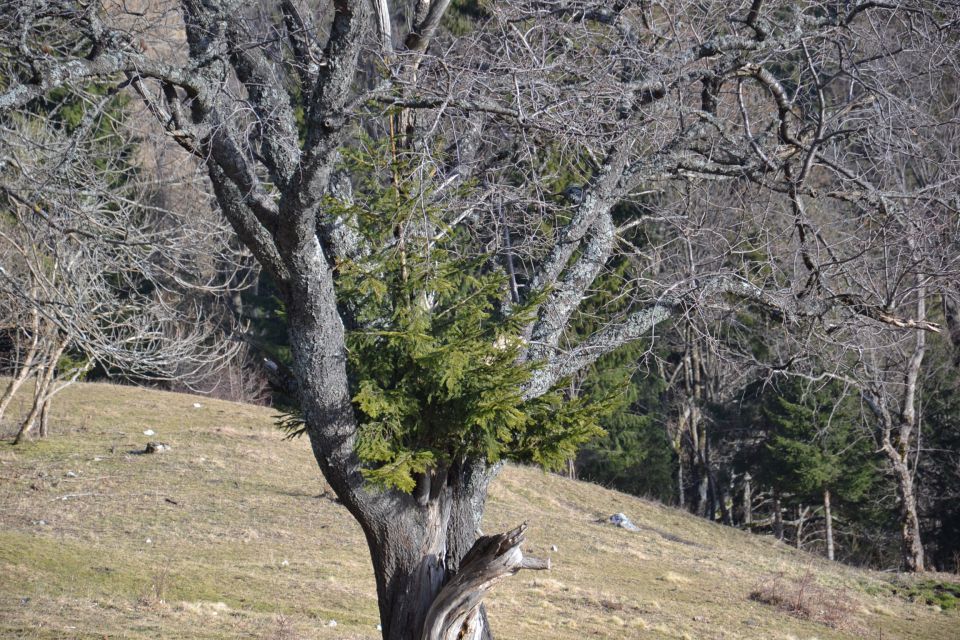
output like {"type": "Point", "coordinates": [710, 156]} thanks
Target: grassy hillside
{"type": "Point", "coordinates": [232, 533]}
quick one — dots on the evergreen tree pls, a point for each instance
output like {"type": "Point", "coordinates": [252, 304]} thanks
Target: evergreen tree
{"type": "Point", "coordinates": [634, 455]}
{"type": "Point", "coordinates": [938, 472]}
{"type": "Point", "coordinates": [813, 450]}
{"type": "Point", "coordinates": [435, 359]}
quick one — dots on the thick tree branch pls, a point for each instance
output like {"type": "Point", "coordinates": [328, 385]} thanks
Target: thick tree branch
{"type": "Point", "coordinates": [105, 66]}
{"type": "Point", "coordinates": [248, 227]}
{"type": "Point", "coordinates": [308, 58]}
{"type": "Point", "coordinates": [426, 21]}
{"type": "Point", "coordinates": [326, 122]}
{"type": "Point", "coordinates": [381, 10]}
{"type": "Point", "coordinates": [567, 294]}
{"type": "Point", "coordinates": [598, 199]}
{"type": "Point", "coordinates": [276, 123]}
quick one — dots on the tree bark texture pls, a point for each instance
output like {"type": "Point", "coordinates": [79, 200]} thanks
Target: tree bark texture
{"type": "Point", "coordinates": [41, 393]}
{"type": "Point", "coordinates": [777, 516]}
{"type": "Point", "coordinates": [431, 569]}
{"type": "Point", "coordinates": [747, 500]}
{"type": "Point", "coordinates": [913, 554]}
{"type": "Point", "coordinates": [455, 614]}
{"type": "Point", "coordinates": [725, 501]}
{"type": "Point", "coordinates": [801, 520]}
{"type": "Point", "coordinates": [416, 540]}
{"type": "Point", "coordinates": [13, 386]}
{"type": "Point", "coordinates": [897, 436]}
{"type": "Point", "coordinates": [681, 495]}
{"type": "Point", "coordinates": [828, 523]}
{"type": "Point", "coordinates": [27, 366]}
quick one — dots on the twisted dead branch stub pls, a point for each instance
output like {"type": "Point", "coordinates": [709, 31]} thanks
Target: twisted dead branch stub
{"type": "Point", "coordinates": [455, 613]}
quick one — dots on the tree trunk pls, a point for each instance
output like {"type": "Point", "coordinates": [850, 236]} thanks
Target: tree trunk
{"type": "Point", "coordinates": [697, 432]}
{"type": "Point", "coordinates": [26, 427]}
{"type": "Point", "coordinates": [951, 313]}
{"type": "Point", "coordinates": [692, 425]}
{"type": "Point", "coordinates": [431, 570]}
{"type": "Point", "coordinates": [12, 388]}
{"type": "Point", "coordinates": [722, 497]}
{"type": "Point", "coordinates": [777, 516]}
{"type": "Point", "coordinates": [409, 560]}
{"type": "Point", "coordinates": [705, 505]}
{"type": "Point", "coordinates": [703, 492]}
{"type": "Point", "coordinates": [909, 520]}
{"type": "Point", "coordinates": [26, 369]}
{"type": "Point", "coordinates": [45, 416]}
{"type": "Point", "coordinates": [747, 501]}
{"type": "Point", "coordinates": [899, 452]}
{"type": "Point", "coordinates": [27, 366]}
{"type": "Point", "coordinates": [416, 540]}
{"type": "Point", "coordinates": [41, 393]}
{"type": "Point", "coordinates": [828, 520]}
{"type": "Point", "coordinates": [455, 613]}
{"type": "Point", "coordinates": [801, 520]}
{"type": "Point", "coordinates": [681, 494]}
{"type": "Point", "coordinates": [897, 436]}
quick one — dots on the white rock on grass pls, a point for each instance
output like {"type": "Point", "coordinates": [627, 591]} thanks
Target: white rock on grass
{"type": "Point", "coordinates": [149, 432]}
{"type": "Point", "coordinates": [332, 623]}
{"type": "Point", "coordinates": [623, 521]}
{"type": "Point", "coordinates": [197, 405]}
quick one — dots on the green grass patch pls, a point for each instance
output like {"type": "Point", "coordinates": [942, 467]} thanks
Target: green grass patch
{"type": "Point", "coordinates": [941, 593]}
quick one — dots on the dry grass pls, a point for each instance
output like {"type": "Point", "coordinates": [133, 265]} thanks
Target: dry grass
{"type": "Point", "coordinates": [232, 534]}
{"type": "Point", "coordinates": [804, 598]}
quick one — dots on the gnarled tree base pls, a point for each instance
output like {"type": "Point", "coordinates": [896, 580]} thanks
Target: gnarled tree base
{"type": "Point", "coordinates": [455, 613]}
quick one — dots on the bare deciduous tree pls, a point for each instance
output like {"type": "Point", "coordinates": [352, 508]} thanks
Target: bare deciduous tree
{"type": "Point", "coordinates": [646, 103]}
{"type": "Point", "coordinates": [96, 270]}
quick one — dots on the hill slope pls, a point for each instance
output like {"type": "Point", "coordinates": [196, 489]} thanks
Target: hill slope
{"type": "Point", "coordinates": [232, 533]}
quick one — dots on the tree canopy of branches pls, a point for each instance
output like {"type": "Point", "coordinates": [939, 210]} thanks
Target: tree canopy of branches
{"type": "Point", "coordinates": [94, 271]}
{"type": "Point", "coordinates": [789, 157]}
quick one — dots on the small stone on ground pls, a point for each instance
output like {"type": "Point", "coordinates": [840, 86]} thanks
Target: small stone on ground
{"type": "Point", "coordinates": [623, 521]}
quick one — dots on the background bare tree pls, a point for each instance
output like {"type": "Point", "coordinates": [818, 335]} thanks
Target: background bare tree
{"type": "Point", "coordinates": [97, 271]}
